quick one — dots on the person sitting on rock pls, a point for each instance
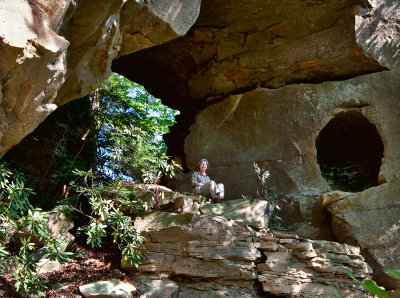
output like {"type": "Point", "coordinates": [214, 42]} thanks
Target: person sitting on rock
{"type": "Point", "coordinates": [203, 185]}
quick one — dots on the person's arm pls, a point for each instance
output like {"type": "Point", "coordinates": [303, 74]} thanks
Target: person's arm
{"type": "Point", "coordinates": [195, 180]}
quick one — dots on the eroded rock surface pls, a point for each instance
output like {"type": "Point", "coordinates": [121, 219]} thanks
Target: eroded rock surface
{"type": "Point", "coordinates": [52, 52]}
{"type": "Point", "coordinates": [213, 256]}
{"type": "Point", "coordinates": [32, 65]}
{"type": "Point", "coordinates": [278, 129]}
{"type": "Point", "coordinates": [235, 46]}
{"type": "Point", "coordinates": [308, 268]}
{"type": "Point", "coordinates": [370, 220]}
{"type": "Point", "coordinates": [378, 31]}
{"type": "Point", "coordinates": [55, 51]}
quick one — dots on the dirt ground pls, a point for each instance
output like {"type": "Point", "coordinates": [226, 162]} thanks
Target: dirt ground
{"type": "Point", "coordinates": [95, 266]}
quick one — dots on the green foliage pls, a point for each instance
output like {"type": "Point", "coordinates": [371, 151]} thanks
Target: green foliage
{"type": "Point", "coordinates": [131, 124]}
{"type": "Point", "coordinates": [20, 221]}
{"type": "Point", "coordinates": [27, 281]}
{"type": "Point", "coordinates": [266, 192]}
{"type": "Point", "coordinates": [109, 203]}
{"type": "Point", "coordinates": [128, 124]}
{"type": "Point", "coordinates": [370, 286]}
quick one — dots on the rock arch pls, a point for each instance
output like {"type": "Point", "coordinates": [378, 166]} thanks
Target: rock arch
{"type": "Point", "coordinates": [349, 152]}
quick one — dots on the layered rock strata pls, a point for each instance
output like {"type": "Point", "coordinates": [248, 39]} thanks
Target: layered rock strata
{"type": "Point", "coordinates": [234, 48]}
{"type": "Point", "coordinates": [211, 256]}
{"type": "Point", "coordinates": [308, 268]}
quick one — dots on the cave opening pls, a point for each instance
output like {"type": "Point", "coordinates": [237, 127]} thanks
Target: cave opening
{"type": "Point", "coordinates": [349, 152]}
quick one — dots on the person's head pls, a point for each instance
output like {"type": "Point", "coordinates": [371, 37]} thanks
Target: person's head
{"type": "Point", "coordinates": [203, 164]}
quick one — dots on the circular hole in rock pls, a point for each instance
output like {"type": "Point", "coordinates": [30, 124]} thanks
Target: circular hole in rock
{"type": "Point", "coordinates": [349, 152]}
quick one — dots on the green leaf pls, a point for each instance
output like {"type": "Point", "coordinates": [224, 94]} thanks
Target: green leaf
{"type": "Point", "coordinates": [393, 273]}
{"type": "Point", "coordinates": [370, 286]}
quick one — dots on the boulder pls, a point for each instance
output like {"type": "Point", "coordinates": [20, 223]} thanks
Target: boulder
{"type": "Point", "coordinates": [157, 220]}
{"type": "Point", "coordinates": [58, 225]}
{"type": "Point", "coordinates": [108, 289]}
{"type": "Point", "coordinates": [251, 212]}
{"type": "Point", "coordinates": [46, 265]}
{"type": "Point", "coordinates": [157, 288]}
{"type": "Point", "coordinates": [370, 220]}
{"type": "Point", "coordinates": [211, 248]}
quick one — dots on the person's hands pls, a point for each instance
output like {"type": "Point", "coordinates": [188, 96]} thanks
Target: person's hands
{"type": "Point", "coordinates": [201, 184]}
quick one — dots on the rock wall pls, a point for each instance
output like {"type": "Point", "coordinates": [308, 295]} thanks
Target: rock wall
{"type": "Point", "coordinates": [54, 51]}
{"type": "Point", "coordinates": [278, 128]}
{"type": "Point", "coordinates": [254, 70]}
{"type": "Point", "coordinates": [233, 48]}
{"type": "Point", "coordinates": [208, 256]}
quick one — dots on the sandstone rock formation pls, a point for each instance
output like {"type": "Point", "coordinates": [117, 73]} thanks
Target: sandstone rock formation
{"type": "Point", "coordinates": [256, 71]}
{"type": "Point", "coordinates": [278, 128]}
{"type": "Point", "coordinates": [56, 51]}
{"type": "Point", "coordinates": [370, 220]}
{"type": "Point", "coordinates": [235, 46]}
{"type": "Point", "coordinates": [211, 256]}
{"type": "Point", "coordinates": [378, 31]}
{"type": "Point", "coordinates": [248, 127]}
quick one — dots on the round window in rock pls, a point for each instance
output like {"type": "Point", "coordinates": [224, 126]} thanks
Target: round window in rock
{"type": "Point", "coordinates": [349, 152]}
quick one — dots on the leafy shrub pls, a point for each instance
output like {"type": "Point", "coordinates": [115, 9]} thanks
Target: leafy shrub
{"type": "Point", "coordinates": [266, 192]}
{"type": "Point", "coordinates": [113, 207]}
{"type": "Point", "coordinates": [130, 124]}
{"type": "Point", "coordinates": [20, 221]}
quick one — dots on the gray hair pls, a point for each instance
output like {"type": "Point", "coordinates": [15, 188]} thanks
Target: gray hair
{"type": "Point", "coordinates": [203, 160]}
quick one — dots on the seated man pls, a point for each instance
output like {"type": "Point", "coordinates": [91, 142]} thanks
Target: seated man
{"type": "Point", "coordinates": [203, 185]}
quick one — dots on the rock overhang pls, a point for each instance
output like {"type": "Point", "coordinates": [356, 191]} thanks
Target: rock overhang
{"type": "Point", "coordinates": [235, 46]}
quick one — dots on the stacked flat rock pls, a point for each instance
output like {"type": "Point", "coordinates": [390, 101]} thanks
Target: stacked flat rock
{"type": "Point", "coordinates": [308, 268]}
{"type": "Point", "coordinates": [208, 255]}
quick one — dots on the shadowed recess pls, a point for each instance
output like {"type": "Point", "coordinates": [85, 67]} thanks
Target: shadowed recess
{"type": "Point", "coordinates": [349, 152]}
